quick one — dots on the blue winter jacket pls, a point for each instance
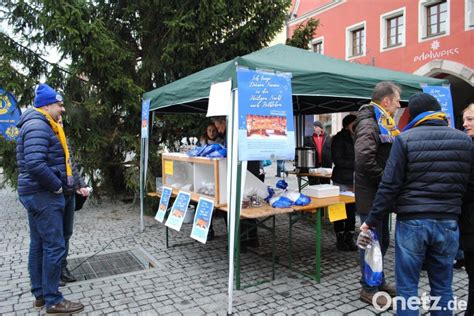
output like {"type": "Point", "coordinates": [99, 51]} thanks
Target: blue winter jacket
{"type": "Point", "coordinates": [40, 156]}
{"type": "Point", "coordinates": [426, 174]}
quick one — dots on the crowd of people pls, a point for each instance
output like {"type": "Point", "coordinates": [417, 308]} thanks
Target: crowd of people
{"type": "Point", "coordinates": [424, 174]}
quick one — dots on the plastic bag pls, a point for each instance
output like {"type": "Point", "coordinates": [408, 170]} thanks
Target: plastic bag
{"type": "Point", "coordinates": [280, 197]}
{"type": "Point", "coordinates": [195, 152]}
{"type": "Point", "coordinates": [211, 151]}
{"type": "Point", "coordinates": [280, 202]}
{"type": "Point", "coordinates": [297, 198]}
{"type": "Point", "coordinates": [267, 163]}
{"type": "Point", "coordinates": [373, 262]}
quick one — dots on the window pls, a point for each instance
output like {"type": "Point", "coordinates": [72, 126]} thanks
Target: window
{"type": "Point", "coordinates": [469, 14]}
{"type": "Point", "coordinates": [433, 19]}
{"type": "Point", "coordinates": [358, 38]}
{"type": "Point", "coordinates": [318, 47]}
{"type": "Point", "coordinates": [394, 31]}
{"type": "Point", "coordinates": [436, 16]}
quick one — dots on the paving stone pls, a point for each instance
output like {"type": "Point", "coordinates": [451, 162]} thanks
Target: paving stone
{"type": "Point", "coordinates": [191, 279]}
{"type": "Point", "coordinates": [331, 313]}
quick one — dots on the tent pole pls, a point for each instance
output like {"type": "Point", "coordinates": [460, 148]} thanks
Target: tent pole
{"type": "Point", "coordinates": [299, 120]}
{"type": "Point", "coordinates": [233, 192]}
{"type": "Point", "coordinates": [143, 170]}
{"type": "Point", "coordinates": [142, 167]}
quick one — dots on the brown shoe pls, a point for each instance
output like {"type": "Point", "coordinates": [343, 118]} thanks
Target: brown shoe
{"type": "Point", "coordinates": [65, 307]}
{"type": "Point", "coordinates": [389, 288]}
{"type": "Point", "coordinates": [381, 300]}
{"type": "Point", "coordinates": [39, 302]}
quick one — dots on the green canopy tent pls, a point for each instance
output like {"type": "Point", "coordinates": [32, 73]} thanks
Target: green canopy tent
{"type": "Point", "coordinates": [320, 84]}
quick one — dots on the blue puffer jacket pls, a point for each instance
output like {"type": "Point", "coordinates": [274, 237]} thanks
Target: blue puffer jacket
{"type": "Point", "coordinates": [426, 174]}
{"type": "Point", "coordinates": [39, 155]}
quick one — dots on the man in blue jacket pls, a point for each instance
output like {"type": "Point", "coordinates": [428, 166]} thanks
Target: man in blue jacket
{"type": "Point", "coordinates": [45, 173]}
{"type": "Point", "coordinates": [424, 180]}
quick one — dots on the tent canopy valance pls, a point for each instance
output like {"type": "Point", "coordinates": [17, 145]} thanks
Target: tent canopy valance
{"type": "Point", "coordinates": [320, 84]}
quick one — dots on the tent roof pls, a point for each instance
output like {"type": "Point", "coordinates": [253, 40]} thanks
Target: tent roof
{"type": "Point", "coordinates": [320, 84]}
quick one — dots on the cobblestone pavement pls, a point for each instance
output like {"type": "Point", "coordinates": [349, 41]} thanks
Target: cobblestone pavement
{"type": "Point", "coordinates": [190, 279]}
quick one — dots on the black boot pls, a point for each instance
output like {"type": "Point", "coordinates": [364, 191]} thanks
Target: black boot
{"type": "Point", "coordinates": [349, 241]}
{"type": "Point", "coordinates": [66, 276]}
{"type": "Point", "coordinates": [340, 245]}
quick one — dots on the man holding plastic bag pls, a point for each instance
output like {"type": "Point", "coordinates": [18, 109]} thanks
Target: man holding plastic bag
{"type": "Point", "coordinates": [423, 182]}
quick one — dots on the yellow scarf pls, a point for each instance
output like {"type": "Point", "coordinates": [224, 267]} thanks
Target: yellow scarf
{"type": "Point", "coordinates": [387, 126]}
{"type": "Point", "coordinates": [59, 131]}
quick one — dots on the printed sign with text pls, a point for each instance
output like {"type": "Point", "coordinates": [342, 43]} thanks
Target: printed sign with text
{"type": "Point", "coordinates": [266, 129]}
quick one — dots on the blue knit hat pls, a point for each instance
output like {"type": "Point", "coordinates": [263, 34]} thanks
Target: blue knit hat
{"type": "Point", "coordinates": [45, 95]}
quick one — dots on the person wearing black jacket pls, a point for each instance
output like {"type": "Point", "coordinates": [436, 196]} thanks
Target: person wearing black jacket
{"type": "Point", "coordinates": [374, 132]}
{"type": "Point", "coordinates": [342, 153]}
{"type": "Point", "coordinates": [80, 187]}
{"type": "Point", "coordinates": [424, 181]}
{"type": "Point", "coordinates": [466, 221]}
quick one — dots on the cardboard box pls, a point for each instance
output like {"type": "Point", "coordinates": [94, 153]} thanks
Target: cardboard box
{"type": "Point", "coordinates": [322, 190]}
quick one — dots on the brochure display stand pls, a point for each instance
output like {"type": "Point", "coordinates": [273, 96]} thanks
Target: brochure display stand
{"type": "Point", "coordinates": [200, 176]}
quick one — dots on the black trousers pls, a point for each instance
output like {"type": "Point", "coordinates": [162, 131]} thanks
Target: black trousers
{"type": "Point", "coordinates": [348, 224]}
{"type": "Point", "coordinates": [469, 264]}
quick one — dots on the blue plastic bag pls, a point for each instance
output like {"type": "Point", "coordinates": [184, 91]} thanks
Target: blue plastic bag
{"type": "Point", "coordinates": [280, 202]}
{"type": "Point", "coordinates": [373, 262]}
{"type": "Point", "coordinates": [195, 152]}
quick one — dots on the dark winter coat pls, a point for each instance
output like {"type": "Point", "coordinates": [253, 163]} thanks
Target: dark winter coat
{"type": "Point", "coordinates": [342, 153]}
{"type": "Point", "coordinates": [466, 221]}
{"type": "Point", "coordinates": [371, 155]}
{"type": "Point", "coordinates": [40, 156]}
{"type": "Point", "coordinates": [426, 174]}
{"type": "Point", "coordinates": [326, 156]}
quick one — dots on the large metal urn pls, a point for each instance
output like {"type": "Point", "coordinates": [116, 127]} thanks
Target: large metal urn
{"type": "Point", "coordinates": [304, 158]}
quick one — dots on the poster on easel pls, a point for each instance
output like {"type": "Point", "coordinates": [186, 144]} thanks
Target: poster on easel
{"type": "Point", "coordinates": [265, 122]}
{"type": "Point", "coordinates": [163, 206]}
{"type": "Point", "coordinates": [178, 211]}
{"type": "Point", "coordinates": [202, 219]}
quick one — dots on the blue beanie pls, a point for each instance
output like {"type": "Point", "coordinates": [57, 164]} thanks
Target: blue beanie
{"type": "Point", "coordinates": [45, 95]}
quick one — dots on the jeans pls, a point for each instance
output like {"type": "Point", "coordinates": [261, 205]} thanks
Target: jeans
{"type": "Point", "coordinates": [68, 224]}
{"type": "Point", "coordinates": [280, 167]}
{"type": "Point", "coordinates": [45, 218]}
{"type": "Point", "coordinates": [434, 242]}
{"type": "Point", "coordinates": [383, 234]}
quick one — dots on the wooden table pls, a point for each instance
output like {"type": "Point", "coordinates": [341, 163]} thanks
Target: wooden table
{"type": "Point", "coordinates": [300, 175]}
{"type": "Point", "coordinates": [266, 213]}
{"type": "Point", "coordinates": [316, 206]}
{"type": "Point", "coordinates": [261, 215]}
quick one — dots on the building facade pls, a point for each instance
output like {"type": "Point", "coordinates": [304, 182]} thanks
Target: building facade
{"type": "Point", "coordinates": [432, 38]}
